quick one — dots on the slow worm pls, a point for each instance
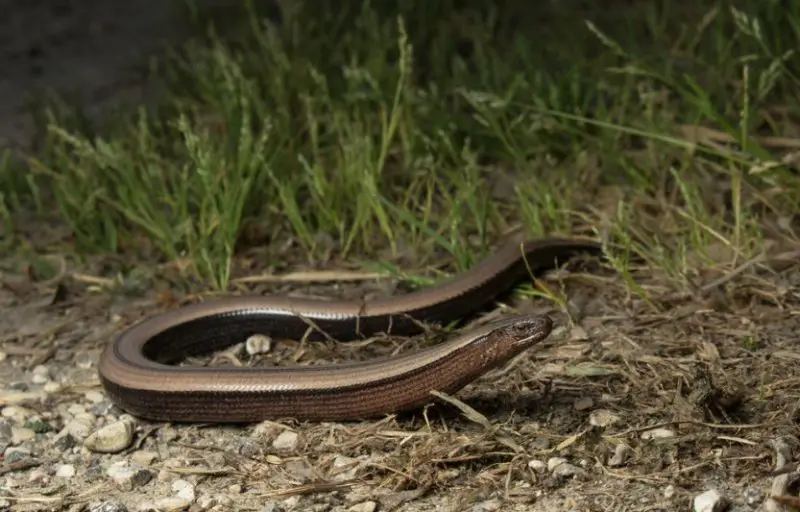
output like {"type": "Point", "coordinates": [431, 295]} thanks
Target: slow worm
{"type": "Point", "coordinates": [137, 369]}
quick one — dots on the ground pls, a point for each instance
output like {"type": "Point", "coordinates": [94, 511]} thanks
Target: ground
{"type": "Point", "coordinates": [363, 150]}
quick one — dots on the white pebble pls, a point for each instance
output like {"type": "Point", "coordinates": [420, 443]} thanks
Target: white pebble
{"type": "Point", "coordinates": [710, 501]}
{"type": "Point", "coordinates": [554, 462]}
{"type": "Point", "coordinates": [94, 396]}
{"type": "Point", "coordinates": [111, 438]}
{"type": "Point", "coordinates": [65, 471]}
{"type": "Point", "coordinates": [537, 465]}
{"type": "Point", "coordinates": [52, 387]}
{"type": "Point", "coordinates": [286, 441]}
{"type": "Point", "coordinates": [603, 418]}
{"type": "Point", "coordinates": [258, 344]}
{"type": "Point", "coordinates": [658, 433]}
{"type": "Point", "coordinates": [172, 504]}
{"type": "Point", "coordinates": [183, 489]}
{"type": "Point", "coordinates": [21, 434]}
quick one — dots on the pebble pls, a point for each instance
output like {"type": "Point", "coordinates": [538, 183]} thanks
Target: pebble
{"type": "Point", "coordinates": [286, 441]}
{"type": "Point", "coordinates": [583, 403]}
{"type": "Point", "coordinates": [41, 374]}
{"type": "Point", "coordinates": [16, 454]}
{"type": "Point", "coordinates": [79, 427]}
{"type": "Point", "coordinates": [567, 469]}
{"type": "Point", "coordinates": [18, 386]}
{"type": "Point", "coordinates": [128, 476]}
{"type": "Point", "coordinates": [554, 462]}
{"type": "Point", "coordinates": [108, 506]}
{"type": "Point", "coordinates": [143, 458]}
{"type": "Point", "coordinates": [603, 418]}
{"type": "Point", "coordinates": [16, 413]}
{"type": "Point", "coordinates": [258, 344]}
{"type": "Point", "coordinates": [171, 504]}
{"type": "Point", "coordinates": [669, 491]}
{"type": "Point", "coordinates": [21, 434]}
{"type": "Point", "coordinates": [76, 410]}
{"type": "Point", "coordinates": [94, 396]}
{"type": "Point", "coordinates": [64, 441]}
{"type": "Point", "coordinates": [366, 506]}
{"type": "Point", "coordinates": [622, 452]}
{"type": "Point", "coordinates": [38, 477]}
{"type": "Point", "coordinates": [52, 387]}
{"type": "Point", "coordinates": [487, 506]}
{"type": "Point", "coordinates": [184, 489]}
{"type": "Point", "coordinates": [658, 433]}
{"type": "Point", "coordinates": [112, 438]}
{"type": "Point", "coordinates": [710, 501]}
{"type": "Point", "coordinates": [345, 468]}
{"type": "Point", "coordinates": [65, 471]}
{"type": "Point", "coordinates": [537, 465]}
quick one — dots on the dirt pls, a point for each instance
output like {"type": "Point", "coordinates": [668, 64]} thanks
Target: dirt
{"type": "Point", "coordinates": [697, 387]}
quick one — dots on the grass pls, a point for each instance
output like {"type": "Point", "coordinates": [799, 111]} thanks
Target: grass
{"type": "Point", "coordinates": [423, 128]}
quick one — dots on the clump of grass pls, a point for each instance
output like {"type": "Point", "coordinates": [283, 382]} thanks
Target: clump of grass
{"type": "Point", "coordinates": [440, 126]}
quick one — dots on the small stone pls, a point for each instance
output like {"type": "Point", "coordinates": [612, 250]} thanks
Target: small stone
{"type": "Point", "coordinates": [583, 403]}
{"type": "Point", "coordinates": [65, 471]}
{"type": "Point", "coordinates": [94, 396]}
{"type": "Point", "coordinates": [206, 501]}
{"type": "Point", "coordinates": [658, 433]}
{"type": "Point", "coordinates": [16, 454]}
{"type": "Point", "coordinates": [84, 361]}
{"type": "Point", "coordinates": [554, 462]}
{"type": "Point", "coordinates": [52, 387]}
{"type": "Point", "coordinates": [108, 506]}
{"type": "Point", "coordinates": [37, 477]}
{"type": "Point", "coordinates": [143, 458]}
{"type": "Point", "coordinates": [567, 469]}
{"type": "Point", "coordinates": [345, 468]}
{"type": "Point", "coordinates": [18, 386]}
{"type": "Point", "coordinates": [80, 427]}
{"type": "Point", "coordinates": [76, 410]}
{"type": "Point", "coordinates": [367, 506]}
{"type": "Point", "coordinates": [286, 441]}
{"type": "Point", "coordinates": [16, 413]}
{"type": "Point", "coordinates": [753, 496]}
{"type": "Point", "coordinates": [486, 506]}
{"type": "Point", "coordinates": [41, 374]}
{"type": "Point", "coordinates": [621, 454]}
{"type": "Point", "coordinates": [39, 426]}
{"type": "Point", "coordinates": [184, 489]}
{"type": "Point", "coordinates": [537, 465]}
{"type": "Point", "coordinates": [111, 438]}
{"type": "Point", "coordinates": [128, 476]}
{"type": "Point", "coordinates": [258, 344]}
{"type": "Point", "coordinates": [603, 418]}
{"type": "Point", "coordinates": [710, 501]}
{"type": "Point", "coordinates": [64, 442]}
{"type": "Point", "coordinates": [172, 504]}
{"type": "Point", "coordinates": [21, 434]}
{"type": "Point", "coordinates": [669, 492]}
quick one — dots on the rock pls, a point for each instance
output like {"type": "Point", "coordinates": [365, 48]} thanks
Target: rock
{"type": "Point", "coordinates": [658, 433]}
{"type": "Point", "coordinates": [112, 438]}
{"type": "Point", "coordinates": [21, 434]}
{"type": "Point", "coordinates": [128, 476]}
{"type": "Point", "coordinates": [622, 453]}
{"type": "Point", "coordinates": [286, 441]}
{"type": "Point", "coordinates": [710, 501]}
{"type": "Point", "coordinates": [65, 471]}
{"type": "Point", "coordinates": [603, 418]}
